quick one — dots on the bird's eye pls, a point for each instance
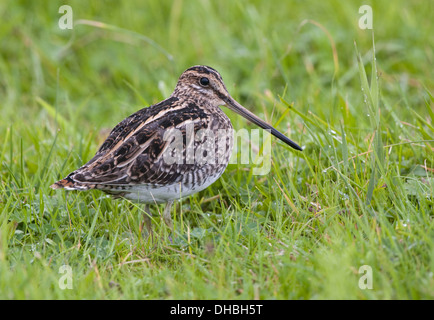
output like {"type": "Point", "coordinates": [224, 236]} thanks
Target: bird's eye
{"type": "Point", "coordinates": [204, 81]}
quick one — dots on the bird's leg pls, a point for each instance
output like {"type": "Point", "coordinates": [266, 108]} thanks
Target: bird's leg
{"type": "Point", "coordinates": [147, 219]}
{"type": "Point", "coordinates": [166, 215]}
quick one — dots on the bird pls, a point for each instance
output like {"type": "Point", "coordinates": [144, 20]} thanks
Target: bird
{"type": "Point", "coordinates": [169, 150]}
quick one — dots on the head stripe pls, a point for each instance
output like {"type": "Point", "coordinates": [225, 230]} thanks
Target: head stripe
{"type": "Point", "coordinates": [205, 69]}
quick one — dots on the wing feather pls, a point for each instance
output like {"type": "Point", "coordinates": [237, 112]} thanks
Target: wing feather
{"type": "Point", "coordinates": [133, 152]}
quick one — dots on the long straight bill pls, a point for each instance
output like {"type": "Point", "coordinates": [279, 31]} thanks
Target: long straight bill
{"type": "Point", "coordinates": [236, 107]}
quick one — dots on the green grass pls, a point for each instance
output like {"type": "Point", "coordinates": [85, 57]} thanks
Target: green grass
{"type": "Point", "coordinates": [360, 194]}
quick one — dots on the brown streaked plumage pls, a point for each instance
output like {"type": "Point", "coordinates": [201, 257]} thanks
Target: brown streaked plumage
{"type": "Point", "coordinates": [141, 161]}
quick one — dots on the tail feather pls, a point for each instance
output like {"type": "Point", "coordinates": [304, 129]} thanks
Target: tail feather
{"type": "Point", "coordinates": [69, 184]}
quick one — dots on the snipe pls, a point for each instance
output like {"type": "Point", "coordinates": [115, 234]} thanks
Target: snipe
{"type": "Point", "coordinates": [152, 156]}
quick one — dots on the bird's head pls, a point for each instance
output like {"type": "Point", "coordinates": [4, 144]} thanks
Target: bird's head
{"type": "Point", "coordinates": [205, 83]}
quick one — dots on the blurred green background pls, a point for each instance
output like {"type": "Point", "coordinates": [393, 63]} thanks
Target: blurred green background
{"type": "Point", "coordinates": [256, 45]}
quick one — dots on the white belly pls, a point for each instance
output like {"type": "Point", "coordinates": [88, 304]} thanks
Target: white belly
{"type": "Point", "coordinates": [163, 194]}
